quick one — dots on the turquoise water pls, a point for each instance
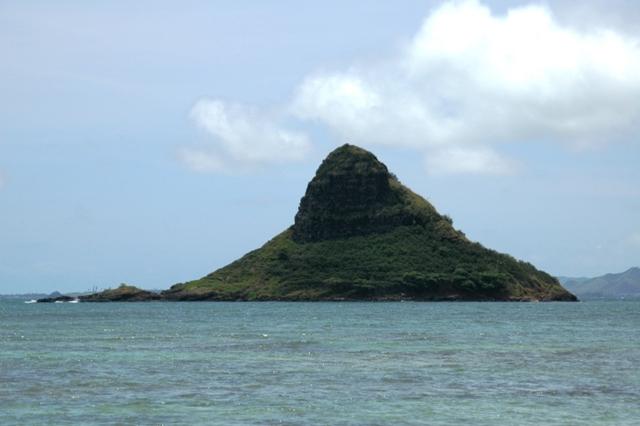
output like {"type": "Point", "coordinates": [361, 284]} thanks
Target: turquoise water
{"type": "Point", "coordinates": [320, 363]}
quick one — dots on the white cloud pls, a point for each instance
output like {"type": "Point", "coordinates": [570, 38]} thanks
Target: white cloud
{"type": "Point", "coordinates": [466, 83]}
{"type": "Point", "coordinates": [243, 138]}
{"type": "Point", "coordinates": [370, 110]}
{"type": "Point", "coordinates": [468, 160]}
{"type": "Point", "coordinates": [470, 79]}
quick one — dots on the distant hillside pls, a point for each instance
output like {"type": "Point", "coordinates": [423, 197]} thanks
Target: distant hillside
{"type": "Point", "coordinates": [625, 284]}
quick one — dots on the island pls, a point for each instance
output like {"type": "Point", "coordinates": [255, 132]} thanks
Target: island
{"type": "Point", "coordinates": [123, 293]}
{"type": "Point", "coordinates": [361, 235]}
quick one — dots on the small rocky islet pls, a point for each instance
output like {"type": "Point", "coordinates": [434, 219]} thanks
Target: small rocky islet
{"type": "Point", "coordinates": [359, 234]}
{"type": "Point", "coordinates": [123, 293]}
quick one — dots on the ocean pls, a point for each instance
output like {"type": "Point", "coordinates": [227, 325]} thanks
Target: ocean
{"type": "Point", "coordinates": [267, 363]}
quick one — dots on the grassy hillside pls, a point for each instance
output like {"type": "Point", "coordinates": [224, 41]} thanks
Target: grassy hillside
{"type": "Point", "coordinates": [123, 293]}
{"type": "Point", "coordinates": [361, 235]}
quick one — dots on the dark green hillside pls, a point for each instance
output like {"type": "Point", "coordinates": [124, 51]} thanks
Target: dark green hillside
{"type": "Point", "coordinates": [359, 234]}
{"type": "Point", "coordinates": [124, 293]}
{"type": "Point", "coordinates": [354, 194]}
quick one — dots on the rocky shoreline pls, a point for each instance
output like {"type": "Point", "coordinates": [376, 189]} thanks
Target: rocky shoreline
{"type": "Point", "coordinates": [128, 293]}
{"type": "Point", "coordinates": [124, 293]}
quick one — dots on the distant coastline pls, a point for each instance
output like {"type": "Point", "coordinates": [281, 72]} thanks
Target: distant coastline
{"type": "Point", "coordinates": [623, 285]}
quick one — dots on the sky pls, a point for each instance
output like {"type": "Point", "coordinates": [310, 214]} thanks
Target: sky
{"type": "Point", "coordinates": [153, 142]}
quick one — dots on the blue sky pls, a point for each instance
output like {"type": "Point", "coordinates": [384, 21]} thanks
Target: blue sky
{"type": "Point", "coordinates": [153, 142]}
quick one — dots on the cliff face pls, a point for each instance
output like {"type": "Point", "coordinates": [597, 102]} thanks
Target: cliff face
{"type": "Point", "coordinates": [351, 194]}
{"type": "Point", "coordinates": [359, 234]}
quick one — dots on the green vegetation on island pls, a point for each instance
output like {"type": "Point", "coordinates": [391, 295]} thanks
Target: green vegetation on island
{"type": "Point", "coordinates": [359, 234]}
{"type": "Point", "coordinates": [123, 293]}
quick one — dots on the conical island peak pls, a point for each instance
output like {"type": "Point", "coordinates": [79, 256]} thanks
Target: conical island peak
{"type": "Point", "coordinates": [359, 234]}
{"type": "Point", "coordinates": [354, 194]}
